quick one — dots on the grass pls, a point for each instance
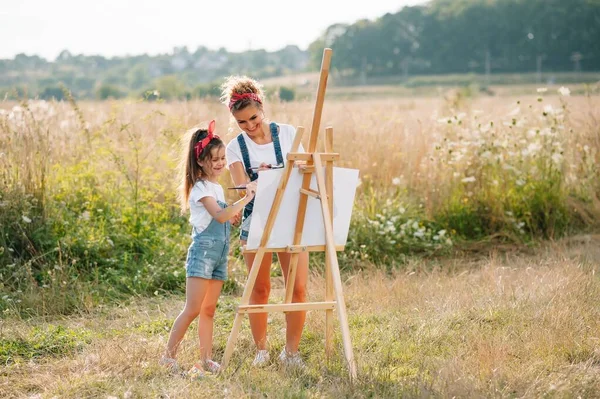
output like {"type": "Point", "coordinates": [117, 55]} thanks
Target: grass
{"type": "Point", "coordinates": [509, 324]}
{"type": "Point", "coordinates": [92, 248]}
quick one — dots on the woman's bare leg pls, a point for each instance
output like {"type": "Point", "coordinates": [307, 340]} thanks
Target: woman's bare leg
{"type": "Point", "coordinates": [295, 320]}
{"type": "Point", "coordinates": [260, 295]}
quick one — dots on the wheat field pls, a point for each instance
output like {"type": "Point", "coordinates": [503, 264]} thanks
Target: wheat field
{"type": "Point", "coordinates": [472, 266]}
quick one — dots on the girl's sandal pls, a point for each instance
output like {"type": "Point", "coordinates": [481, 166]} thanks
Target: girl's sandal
{"type": "Point", "coordinates": [196, 372]}
{"type": "Point", "coordinates": [170, 364]}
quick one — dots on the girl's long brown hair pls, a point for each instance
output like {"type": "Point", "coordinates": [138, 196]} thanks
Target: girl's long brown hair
{"type": "Point", "coordinates": [189, 169]}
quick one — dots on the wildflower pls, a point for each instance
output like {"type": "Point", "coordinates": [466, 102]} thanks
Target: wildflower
{"type": "Point", "coordinates": [564, 91]}
{"type": "Point", "coordinates": [548, 110]}
{"type": "Point", "coordinates": [26, 219]}
{"type": "Point", "coordinates": [396, 181]}
{"type": "Point", "coordinates": [533, 148]}
{"type": "Point", "coordinates": [542, 89]}
{"type": "Point", "coordinates": [469, 179]}
{"type": "Point", "coordinates": [557, 158]}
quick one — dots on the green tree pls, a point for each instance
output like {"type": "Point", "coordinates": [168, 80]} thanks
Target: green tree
{"type": "Point", "coordinates": [170, 87]}
{"type": "Point", "coordinates": [106, 91]}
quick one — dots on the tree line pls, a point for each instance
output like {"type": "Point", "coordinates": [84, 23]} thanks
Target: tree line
{"type": "Point", "coordinates": [439, 37]}
{"type": "Point", "coordinates": [469, 36]}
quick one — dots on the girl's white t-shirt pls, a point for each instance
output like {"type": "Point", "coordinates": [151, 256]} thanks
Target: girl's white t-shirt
{"type": "Point", "coordinates": [260, 153]}
{"type": "Point", "coordinates": [199, 216]}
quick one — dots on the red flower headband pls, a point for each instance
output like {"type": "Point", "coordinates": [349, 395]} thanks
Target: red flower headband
{"type": "Point", "coordinates": [235, 97]}
{"type": "Point", "coordinates": [204, 142]}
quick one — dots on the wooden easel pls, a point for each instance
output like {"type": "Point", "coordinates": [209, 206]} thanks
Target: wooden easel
{"type": "Point", "coordinates": [334, 298]}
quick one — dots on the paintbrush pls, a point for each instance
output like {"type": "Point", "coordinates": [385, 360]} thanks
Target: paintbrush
{"type": "Point", "coordinates": [278, 166]}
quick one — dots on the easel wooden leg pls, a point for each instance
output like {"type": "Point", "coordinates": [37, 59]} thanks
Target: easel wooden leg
{"type": "Point", "coordinates": [335, 269]}
{"type": "Point", "coordinates": [237, 323]}
{"type": "Point", "coordinates": [329, 295]}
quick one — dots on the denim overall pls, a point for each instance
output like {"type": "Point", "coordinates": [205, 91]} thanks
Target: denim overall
{"type": "Point", "coordinates": [208, 252]}
{"type": "Point", "coordinates": [245, 227]}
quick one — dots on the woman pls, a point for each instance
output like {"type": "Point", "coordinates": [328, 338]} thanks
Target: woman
{"type": "Point", "coordinates": [257, 147]}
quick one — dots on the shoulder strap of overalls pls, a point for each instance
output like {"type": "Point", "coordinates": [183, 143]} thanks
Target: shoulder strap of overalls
{"type": "Point", "coordinates": [276, 144]}
{"type": "Point", "coordinates": [246, 157]}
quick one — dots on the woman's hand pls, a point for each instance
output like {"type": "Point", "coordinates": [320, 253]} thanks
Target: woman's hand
{"type": "Point", "coordinates": [300, 164]}
{"type": "Point", "coordinates": [263, 166]}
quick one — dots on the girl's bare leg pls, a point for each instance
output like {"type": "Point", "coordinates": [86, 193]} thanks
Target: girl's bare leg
{"type": "Point", "coordinates": [206, 319]}
{"type": "Point", "coordinates": [195, 290]}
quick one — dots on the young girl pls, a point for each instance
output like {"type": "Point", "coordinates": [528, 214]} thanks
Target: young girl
{"type": "Point", "coordinates": [202, 163]}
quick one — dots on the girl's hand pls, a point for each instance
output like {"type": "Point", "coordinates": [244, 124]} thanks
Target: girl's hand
{"type": "Point", "coordinates": [250, 190]}
{"type": "Point", "coordinates": [236, 219]}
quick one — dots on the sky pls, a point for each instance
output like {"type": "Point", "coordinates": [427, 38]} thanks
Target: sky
{"type": "Point", "coordinates": [121, 27]}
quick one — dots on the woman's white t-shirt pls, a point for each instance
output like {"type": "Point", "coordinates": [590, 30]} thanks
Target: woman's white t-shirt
{"type": "Point", "coordinates": [199, 216]}
{"type": "Point", "coordinates": [260, 153]}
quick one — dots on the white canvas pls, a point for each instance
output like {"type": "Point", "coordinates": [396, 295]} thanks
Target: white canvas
{"type": "Point", "coordinates": [345, 182]}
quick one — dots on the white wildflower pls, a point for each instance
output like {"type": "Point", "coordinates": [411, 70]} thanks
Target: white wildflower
{"type": "Point", "coordinates": [542, 89]}
{"type": "Point", "coordinates": [26, 219]}
{"type": "Point", "coordinates": [396, 181]}
{"type": "Point", "coordinates": [469, 179]}
{"type": "Point", "coordinates": [557, 158]}
{"type": "Point", "coordinates": [534, 147]}
{"type": "Point", "coordinates": [564, 91]}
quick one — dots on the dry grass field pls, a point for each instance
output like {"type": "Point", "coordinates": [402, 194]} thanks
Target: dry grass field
{"type": "Point", "coordinates": [471, 270]}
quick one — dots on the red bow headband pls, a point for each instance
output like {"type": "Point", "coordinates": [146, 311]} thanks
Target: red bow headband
{"type": "Point", "coordinates": [204, 142]}
{"type": "Point", "coordinates": [235, 97]}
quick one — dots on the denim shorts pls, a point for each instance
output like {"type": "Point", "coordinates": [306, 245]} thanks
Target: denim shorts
{"type": "Point", "coordinates": [245, 228]}
{"type": "Point", "coordinates": [207, 258]}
